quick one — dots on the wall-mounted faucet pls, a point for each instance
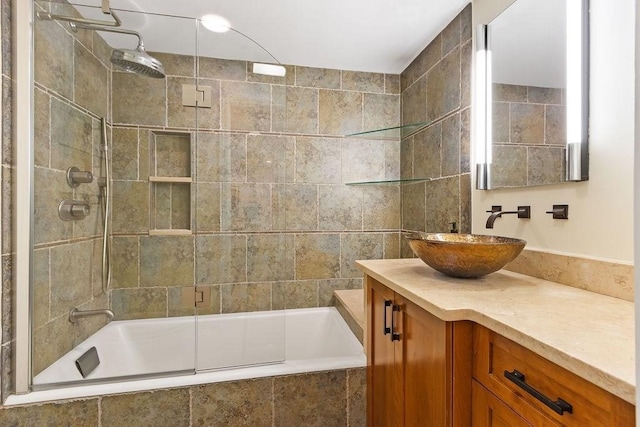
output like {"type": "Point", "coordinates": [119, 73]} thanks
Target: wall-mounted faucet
{"type": "Point", "coordinates": [496, 212]}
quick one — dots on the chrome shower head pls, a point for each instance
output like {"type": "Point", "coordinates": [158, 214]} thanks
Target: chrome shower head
{"type": "Point", "coordinates": [137, 61]}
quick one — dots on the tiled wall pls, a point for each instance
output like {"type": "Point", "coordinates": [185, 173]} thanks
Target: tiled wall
{"type": "Point", "coordinates": [274, 224]}
{"type": "Point", "coordinates": [529, 136]}
{"type": "Point", "coordinates": [333, 398]}
{"type": "Point", "coordinates": [436, 91]}
{"type": "Point", "coordinates": [71, 93]}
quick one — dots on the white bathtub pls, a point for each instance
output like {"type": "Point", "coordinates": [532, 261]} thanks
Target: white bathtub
{"type": "Point", "coordinates": [258, 345]}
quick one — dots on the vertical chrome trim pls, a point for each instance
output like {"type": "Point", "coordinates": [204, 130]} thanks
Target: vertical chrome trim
{"type": "Point", "coordinates": [482, 115]}
{"type": "Point", "coordinates": [22, 26]}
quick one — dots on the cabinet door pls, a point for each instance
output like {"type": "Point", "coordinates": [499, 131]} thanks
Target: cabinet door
{"type": "Point", "coordinates": [384, 396]}
{"type": "Point", "coordinates": [489, 411]}
{"type": "Point", "coordinates": [422, 353]}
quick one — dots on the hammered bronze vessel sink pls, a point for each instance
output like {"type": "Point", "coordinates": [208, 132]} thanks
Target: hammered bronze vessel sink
{"type": "Point", "coordinates": [464, 255]}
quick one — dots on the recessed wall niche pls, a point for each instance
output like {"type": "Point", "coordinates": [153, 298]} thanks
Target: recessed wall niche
{"type": "Point", "coordinates": [170, 183]}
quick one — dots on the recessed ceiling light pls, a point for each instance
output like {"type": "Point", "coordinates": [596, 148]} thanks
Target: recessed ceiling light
{"type": "Point", "coordinates": [215, 23]}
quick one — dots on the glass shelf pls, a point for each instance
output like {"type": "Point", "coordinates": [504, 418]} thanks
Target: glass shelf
{"type": "Point", "coordinates": [391, 133]}
{"type": "Point", "coordinates": [391, 181]}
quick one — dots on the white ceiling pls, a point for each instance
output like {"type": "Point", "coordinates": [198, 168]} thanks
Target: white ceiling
{"type": "Point", "coordinates": [361, 35]}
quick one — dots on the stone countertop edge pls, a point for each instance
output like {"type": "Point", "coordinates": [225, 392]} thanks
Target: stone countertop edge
{"type": "Point", "coordinates": [589, 334]}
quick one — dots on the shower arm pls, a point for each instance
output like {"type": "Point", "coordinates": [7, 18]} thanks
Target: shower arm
{"type": "Point", "coordinates": [75, 27]}
{"type": "Point", "coordinates": [46, 16]}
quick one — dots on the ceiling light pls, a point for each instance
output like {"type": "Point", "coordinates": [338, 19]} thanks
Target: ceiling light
{"type": "Point", "coordinates": [269, 69]}
{"type": "Point", "coordinates": [215, 23]}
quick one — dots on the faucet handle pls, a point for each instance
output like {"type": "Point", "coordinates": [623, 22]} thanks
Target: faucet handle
{"type": "Point", "coordinates": [495, 208]}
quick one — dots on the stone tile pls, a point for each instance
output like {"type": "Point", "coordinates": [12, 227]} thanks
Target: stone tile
{"type": "Point", "coordinates": [233, 404]}
{"type": "Point", "coordinates": [245, 297]}
{"type": "Point", "coordinates": [406, 158]}
{"type": "Point", "coordinates": [101, 49]}
{"type": "Point", "coordinates": [5, 28]}
{"type": "Point", "coordinates": [41, 131]}
{"type": "Point", "coordinates": [357, 397]}
{"type": "Point", "coordinates": [451, 145]}
{"type": "Point", "coordinates": [177, 65]}
{"type": "Point", "coordinates": [429, 56]}
{"type": "Point", "coordinates": [295, 294]}
{"type": "Point", "coordinates": [53, 57]}
{"type": "Point", "coordinates": [245, 207]}
{"type": "Point", "coordinates": [340, 112]}
{"type": "Point", "coordinates": [451, 36]}
{"type": "Point", "coordinates": [180, 206]}
{"type": "Point", "coordinates": [178, 307]}
{"type": "Point", "coordinates": [50, 187]}
{"type": "Point", "coordinates": [527, 123]}
{"type": "Point", "coordinates": [245, 106]}
{"type": "Point", "coordinates": [443, 86]}
{"type": "Point", "coordinates": [138, 99]}
{"type": "Point", "coordinates": [89, 326]}
{"type": "Point", "coordinates": [380, 111]}
{"type": "Point", "coordinates": [301, 207]}
{"type": "Point", "coordinates": [414, 103]}
{"type": "Point", "coordinates": [144, 153]}
{"type": "Point", "coordinates": [90, 226]}
{"type": "Point", "coordinates": [130, 207]}
{"type": "Point", "coordinates": [544, 95]}
{"type": "Point", "coordinates": [7, 118]}
{"type": "Point", "coordinates": [392, 84]}
{"type": "Point", "coordinates": [7, 298]}
{"type": "Point", "coordinates": [124, 262]}
{"type": "Point", "coordinates": [270, 158]}
{"type": "Point", "coordinates": [71, 137]}
{"type": "Point", "coordinates": [363, 160]}
{"type": "Point", "coordinates": [207, 207]}
{"type": "Point", "coordinates": [363, 82]}
{"type": "Point", "coordinates": [279, 107]}
{"type": "Point", "coordinates": [91, 81]}
{"type": "Point", "coordinates": [124, 153]}
{"type": "Point", "coordinates": [221, 69]}
{"type": "Point", "coordinates": [509, 166]}
{"type": "Point", "coordinates": [160, 206]}
{"type": "Point", "coordinates": [269, 257]}
{"type": "Point", "coordinates": [324, 404]}
{"type": "Point", "coordinates": [79, 413]}
{"type": "Point", "coordinates": [465, 203]}
{"type": "Point", "coordinates": [318, 77]}
{"type": "Point", "coordinates": [172, 153]}
{"type": "Point", "coordinates": [221, 259]}
{"type": "Point", "coordinates": [301, 110]}
{"type": "Point", "coordinates": [413, 207]}
{"type": "Point", "coordinates": [509, 93]}
{"type": "Point", "coordinates": [466, 61]}
{"type": "Point", "coordinates": [326, 288]}
{"type": "Point", "coordinates": [51, 342]}
{"type": "Point", "coordinates": [339, 207]}
{"type": "Point", "coordinates": [381, 207]}
{"type": "Point", "coordinates": [427, 152]}
{"type": "Point", "coordinates": [139, 303]}
{"type": "Point", "coordinates": [8, 210]}
{"type": "Point", "coordinates": [392, 245]}
{"type": "Point", "coordinates": [166, 260]}
{"type": "Point", "coordinates": [318, 160]}
{"type": "Point", "coordinates": [358, 246]}
{"type": "Point", "coordinates": [179, 115]}
{"type": "Point", "coordinates": [392, 160]}
{"type": "Point", "coordinates": [221, 157]}
{"type": "Point", "coordinates": [41, 293]}
{"type": "Point", "coordinates": [501, 122]}
{"type": "Point", "coordinates": [555, 131]}
{"type": "Point", "coordinates": [70, 277]}
{"type": "Point", "coordinates": [158, 408]}
{"type": "Point", "coordinates": [442, 204]}
{"type": "Point", "coordinates": [317, 256]}
{"type": "Point", "coordinates": [544, 165]}
{"type": "Point", "coordinates": [465, 140]}
{"type": "Point", "coordinates": [466, 25]}
{"type": "Point", "coordinates": [7, 371]}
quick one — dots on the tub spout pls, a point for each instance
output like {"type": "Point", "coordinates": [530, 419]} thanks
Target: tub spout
{"type": "Point", "coordinates": [75, 314]}
{"type": "Point", "coordinates": [497, 212]}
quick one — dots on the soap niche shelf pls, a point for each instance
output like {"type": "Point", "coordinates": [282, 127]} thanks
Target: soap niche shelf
{"type": "Point", "coordinates": [170, 183]}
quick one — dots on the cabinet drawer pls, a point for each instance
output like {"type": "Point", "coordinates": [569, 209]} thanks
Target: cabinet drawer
{"type": "Point", "coordinates": [494, 356]}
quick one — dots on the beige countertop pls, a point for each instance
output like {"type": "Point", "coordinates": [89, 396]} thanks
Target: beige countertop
{"type": "Point", "coordinates": [589, 334]}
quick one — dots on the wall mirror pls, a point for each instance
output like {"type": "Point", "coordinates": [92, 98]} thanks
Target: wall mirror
{"type": "Point", "coordinates": [532, 95]}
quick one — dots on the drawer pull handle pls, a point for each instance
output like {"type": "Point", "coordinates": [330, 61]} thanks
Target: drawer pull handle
{"type": "Point", "coordinates": [385, 329]}
{"type": "Point", "coordinates": [560, 406]}
{"type": "Point", "coordinates": [394, 336]}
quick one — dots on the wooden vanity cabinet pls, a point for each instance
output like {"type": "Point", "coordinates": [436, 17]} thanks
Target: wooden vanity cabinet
{"type": "Point", "coordinates": [411, 359]}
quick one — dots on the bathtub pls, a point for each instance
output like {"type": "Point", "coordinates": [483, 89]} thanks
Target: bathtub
{"type": "Point", "coordinates": [229, 347]}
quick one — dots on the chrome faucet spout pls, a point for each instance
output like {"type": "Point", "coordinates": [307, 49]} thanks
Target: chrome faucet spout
{"type": "Point", "coordinates": [75, 314]}
{"type": "Point", "coordinates": [522, 212]}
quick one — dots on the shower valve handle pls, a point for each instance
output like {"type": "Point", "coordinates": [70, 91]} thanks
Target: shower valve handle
{"type": "Point", "coordinates": [73, 209]}
{"type": "Point", "coordinates": [76, 177]}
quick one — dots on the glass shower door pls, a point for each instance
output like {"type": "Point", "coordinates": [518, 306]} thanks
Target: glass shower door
{"type": "Point", "coordinates": [243, 252]}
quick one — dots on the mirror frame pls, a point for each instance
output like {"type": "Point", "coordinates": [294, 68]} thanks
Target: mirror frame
{"type": "Point", "coordinates": [577, 97]}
